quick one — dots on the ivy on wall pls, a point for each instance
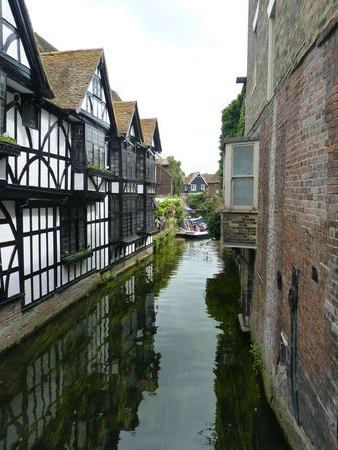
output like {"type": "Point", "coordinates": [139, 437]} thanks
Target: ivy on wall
{"type": "Point", "coordinates": [232, 125]}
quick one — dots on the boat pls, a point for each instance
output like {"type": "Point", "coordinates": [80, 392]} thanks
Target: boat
{"type": "Point", "coordinates": [193, 228]}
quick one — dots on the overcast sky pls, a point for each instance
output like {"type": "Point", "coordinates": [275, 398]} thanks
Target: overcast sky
{"type": "Point", "coordinates": [178, 58]}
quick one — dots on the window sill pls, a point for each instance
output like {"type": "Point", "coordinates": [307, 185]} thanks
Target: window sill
{"type": "Point", "coordinates": [7, 149]}
{"type": "Point", "coordinates": [73, 258]}
{"type": "Point", "coordinates": [100, 173]}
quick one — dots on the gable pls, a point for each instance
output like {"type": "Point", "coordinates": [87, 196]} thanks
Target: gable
{"type": "Point", "coordinates": [18, 48]}
{"type": "Point", "coordinates": [198, 179]}
{"type": "Point", "coordinates": [80, 82]}
{"type": "Point", "coordinates": [95, 100]}
{"type": "Point", "coordinates": [12, 45]}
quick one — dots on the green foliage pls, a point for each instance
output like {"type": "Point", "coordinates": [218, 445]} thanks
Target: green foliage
{"type": "Point", "coordinates": [162, 239]}
{"type": "Point", "coordinates": [233, 124]}
{"type": "Point", "coordinates": [197, 201]}
{"type": "Point", "coordinates": [258, 363]}
{"type": "Point", "coordinates": [176, 173]}
{"type": "Point", "coordinates": [74, 257]}
{"type": "Point", "coordinates": [213, 217]}
{"type": "Point", "coordinates": [7, 139]}
{"type": "Point", "coordinates": [97, 168]}
{"type": "Point", "coordinates": [209, 209]}
{"type": "Point", "coordinates": [171, 207]}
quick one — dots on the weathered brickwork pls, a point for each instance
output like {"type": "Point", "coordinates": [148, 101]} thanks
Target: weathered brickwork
{"type": "Point", "coordinates": [298, 228]}
{"type": "Point", "coordinates": [297, 26]}
{"type": "Point", "coordinates": [239, 228]}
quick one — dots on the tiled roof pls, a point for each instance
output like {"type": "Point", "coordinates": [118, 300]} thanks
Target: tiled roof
{"type": "Point", "coordinates": [69, 74]}
{"type": "Point", "coordinates": [188, 178]}
{"type": "Point", "coordinates": [148, 127]}
{"type": "Point", "coordinates": [124, 112]}
{"type": "Point", "coordinates": [115, 96]}
{"type": "Point", "coordinates": [211, 177]}
{"type": "Point", "coordinates": [42, 45]}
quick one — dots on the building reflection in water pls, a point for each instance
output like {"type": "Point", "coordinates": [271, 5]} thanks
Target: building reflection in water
{"type": "Point", "coordinates": [78, 383]}
{"type": "Point", "coordinates": [243, 419]}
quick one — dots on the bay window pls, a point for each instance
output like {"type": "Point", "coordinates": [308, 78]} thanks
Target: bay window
{"type": "Point", "coordinates": [241, 173]}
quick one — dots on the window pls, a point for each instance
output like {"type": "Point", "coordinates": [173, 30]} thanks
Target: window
{"type": "Point", "coordinates": [150, 214]}
{"type": "Point", "coordinates": [3, 94]}
{"type": "Point", "coordinates": [128, 216]}
{"type": "Point", "coordinates": [140, 213]}
{"type": "Point", "coordinates": [89, 148]}
{"type": "Point", "coordinates": [30, 115]}
{"type": "Point", "coordinates": [185, 188]}
{"type": "Point", "coordinates": [73, 229]}
{"type": "Point", "coordinates": [97, 87]}
{"type": "Point", "coordinates": [95, 147]}
{"type": "Point", "coordinates": [140, 164]}
{"type": "Point", "coordinates": [241, 174]}
{"type": "Point", "coordinates": [115, 218]}
{"type": "Point", "coordinates": [271, 48]}
{"type": "Point", "coordinates": [193, 187]}
{"type": "Point", "coordinates": [202, 187]}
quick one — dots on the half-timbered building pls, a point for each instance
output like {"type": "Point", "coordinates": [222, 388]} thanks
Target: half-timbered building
{"type": "Point", "coordinates": [76, 183]}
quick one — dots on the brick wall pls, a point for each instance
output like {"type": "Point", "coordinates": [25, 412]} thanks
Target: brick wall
{"type": "Point", "coordinates": [239, 228]}
{"type": "Point", "coordinates": [296, 27]}
{"type": "Point", "coordinates": [298, 227]}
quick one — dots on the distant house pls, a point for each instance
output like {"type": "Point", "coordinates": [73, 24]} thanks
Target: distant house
{"type": "Point", "coordinates": [197, 183]}
{"type": "Point", "coordinates": [194, 183]}
{"type": "Point", "coordinates": [163, 178]}
{"type": "Point", "coordinates": [213, 183]}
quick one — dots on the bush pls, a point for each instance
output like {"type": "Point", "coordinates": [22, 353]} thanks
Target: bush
{"type": "Point", "coordinates": [170, 208]}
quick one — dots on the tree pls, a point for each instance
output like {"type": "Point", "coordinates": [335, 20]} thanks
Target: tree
{"type": "Point", "coordinates": [176, 174]}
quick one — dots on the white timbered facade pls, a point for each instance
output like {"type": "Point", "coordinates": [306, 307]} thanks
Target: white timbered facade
{"type": "Point", "coordinates": [75, 193]}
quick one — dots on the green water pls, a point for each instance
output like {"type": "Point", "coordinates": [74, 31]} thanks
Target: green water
{"type": "Point", "coordinates": [154, 362]}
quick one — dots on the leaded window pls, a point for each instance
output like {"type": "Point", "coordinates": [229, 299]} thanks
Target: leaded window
{"type": "Point", "coordinates": [79, 158]}
{"type": "Point", "coordinates": [95, 147]}
{"type": "Point", "coordinates": [150, 214]}
{"type": "Point", "coordinates": [140, 164]}
{"type": "Point", "coordinates": [150, 169]}
{"type": "Point", "coordinates": [128, 216]}
{"type": "Point", "coordinates": [128, 165]}
{"type": "Point", "coordinates": [88, 144]}
{"type": "Point", "coordinates": [3, 93]}
{"type": "Point", "coordinates": [97, 87]}
{"type": "Point", "coordinates": [115, 218]}
{"type": "Point", "coordinates": [140, 213]}
{"type": "Point", "coordinates": [73, 229]}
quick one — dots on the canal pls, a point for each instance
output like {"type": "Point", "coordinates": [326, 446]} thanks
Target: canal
{"type": "Point", "coordinates": [153, 361]}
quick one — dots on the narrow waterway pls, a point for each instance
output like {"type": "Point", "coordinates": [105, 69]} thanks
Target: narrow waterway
{"type": "Point", "coordinates": [153, 361]}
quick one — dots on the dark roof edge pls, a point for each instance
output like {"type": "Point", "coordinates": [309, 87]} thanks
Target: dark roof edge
{"type": "Point", "coordinates": [233, 140]}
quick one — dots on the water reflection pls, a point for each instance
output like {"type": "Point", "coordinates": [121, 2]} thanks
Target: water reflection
{"type": "Point", "coordinates": [157, 362]}
{"type": "Point", "coordinates": [80, 382]}
{"type": "Point", "coordinates": [244, 420]}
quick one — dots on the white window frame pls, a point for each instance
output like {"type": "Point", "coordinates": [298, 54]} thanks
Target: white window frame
{"type": "Point", "coordinates": [227, 170]}
{"type": "Point", "coordinates": [202, 187]}
{"type": "Point", "coordinates": [193, 187]}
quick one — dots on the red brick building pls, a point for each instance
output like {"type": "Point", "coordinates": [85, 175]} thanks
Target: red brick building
{"type": "Point", "coordinates": [290, 273]}
{"type": "Point", "coordinates": [163, 179]}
